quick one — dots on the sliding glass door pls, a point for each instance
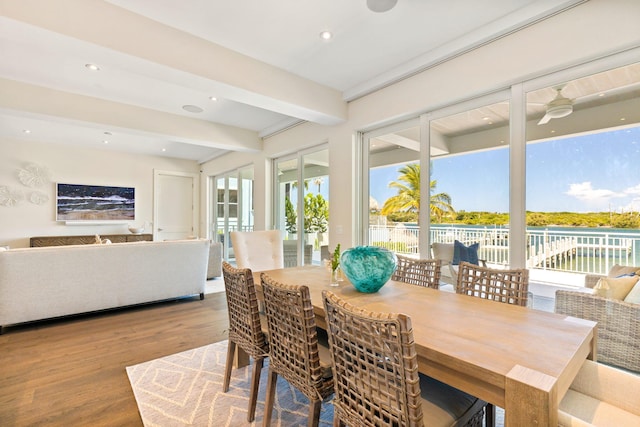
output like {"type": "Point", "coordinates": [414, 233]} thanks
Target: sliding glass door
{"type": "Point", "coordinates": [541, 176]}
{"type": "Point", "coordinates": [302, 205]}
{"type": "Point", "coordinates": [232, 201]}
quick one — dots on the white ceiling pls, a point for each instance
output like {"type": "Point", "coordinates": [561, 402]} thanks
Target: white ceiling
{"type": "Point", "coordinates": [263, 60]}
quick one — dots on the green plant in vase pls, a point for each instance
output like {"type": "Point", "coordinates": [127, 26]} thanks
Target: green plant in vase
{"type": "Point", "coordinates": [335, 266]}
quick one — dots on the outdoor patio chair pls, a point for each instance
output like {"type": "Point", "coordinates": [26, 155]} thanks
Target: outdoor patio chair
{"type": "Point", "coordinates": [294, 352]}
{"type": "Point", "coordinates": [245, 328]}
{"type": "Point", "coordinates": [445, 252]}
{"type": "Point", "coordinates": [376, 374]}
{"type": "Point", "coordinates": [422, 272]}
{"type": "Point", "coordinates": [290, 251]}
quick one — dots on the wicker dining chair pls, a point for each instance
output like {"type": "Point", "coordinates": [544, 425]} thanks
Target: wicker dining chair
{"type": "Point", "coordinates": [245, 328]}
{"type": "Point", "coordinates": [376, 377]}
{"type": "Point", "coordinates": [294, 351]}
{"type": "Point", "coordinates": [422, 272]}
{"type": "Point", "coordinates": [508, 286]}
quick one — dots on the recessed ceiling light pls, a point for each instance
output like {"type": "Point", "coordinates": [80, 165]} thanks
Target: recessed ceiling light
{"type": "Point", "coordinates": [192, 108]}
{"type": "Point", "coordinates": [622, 119]}
{"type": "Point", "coordinates": [92, 67]}
{"type": "Point", "coordinates": [105, 141]}
{"type": "Point", "coordinates": [326, 35]}
{"type": "Point", "coordinates": [381, 5]}
{"type": "Point", "coordinates": [213, 98]}
{"type": "Point", "coordinates": [164, 149]}
{"type": "Point", "coordinates": [26, 131]}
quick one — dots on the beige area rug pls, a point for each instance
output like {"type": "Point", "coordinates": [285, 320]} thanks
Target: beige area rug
{"type": "Point", "coordinates": [185, 389]}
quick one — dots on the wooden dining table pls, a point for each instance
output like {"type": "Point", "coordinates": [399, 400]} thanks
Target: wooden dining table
{"type": "Point", "coordinates": [517, 358]}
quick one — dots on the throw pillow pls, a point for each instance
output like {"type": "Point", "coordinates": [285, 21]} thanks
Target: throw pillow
{"type": "Point", "coordinates": [619, 270]}
{"type": "Point", "coordinates": [618, 287]}
{"type": "Point", "coordinates": [602, 289]}
{"type": "Point", "coordinates": [465, 253]}
{"type": "Point", "coordinates": [634, 295]}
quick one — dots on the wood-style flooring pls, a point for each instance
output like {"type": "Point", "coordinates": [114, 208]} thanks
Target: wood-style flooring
{"type": "Point", "coordinates": [71, 372]}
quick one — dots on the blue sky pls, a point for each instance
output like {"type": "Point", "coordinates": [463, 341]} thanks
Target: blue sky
{"type": "Point", "coordinates": [589, 173]}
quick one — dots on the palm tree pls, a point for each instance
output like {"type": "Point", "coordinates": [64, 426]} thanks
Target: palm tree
{"type": "Point", "coordinates": [408, 197]}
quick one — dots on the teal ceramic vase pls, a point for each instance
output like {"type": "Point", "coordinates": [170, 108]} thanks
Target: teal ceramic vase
{"type": "Point", "coordinates": [368, 268]}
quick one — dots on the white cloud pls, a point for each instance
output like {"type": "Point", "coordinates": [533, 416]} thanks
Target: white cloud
{"type": "Point", "coordinates": [584, 191]}
{"type": "Point", "coordinates": [633, 191]}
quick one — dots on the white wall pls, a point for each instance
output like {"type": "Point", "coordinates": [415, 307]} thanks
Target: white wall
{"type": "Point", "coordinates": [587, 32]}
{"type": "Point", "coordinates": [75, 166]}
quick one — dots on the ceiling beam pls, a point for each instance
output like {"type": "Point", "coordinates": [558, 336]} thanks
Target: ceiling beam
{"type": "Point", "coordinates": [236, 76]}
{"type": "Point", "coordinates": [64, 106]}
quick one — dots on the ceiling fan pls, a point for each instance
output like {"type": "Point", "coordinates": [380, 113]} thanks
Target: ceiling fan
{"type": "Point", "coordinates": [381, 5]}
{"type": "Point", "coordinates": [558, 107]}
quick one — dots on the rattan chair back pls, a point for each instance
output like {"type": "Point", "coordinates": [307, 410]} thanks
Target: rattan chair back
{"type": "Point", "coordinates": [245, 329]}
{"type": "Point", "coordinates": [507, 286]}
{"type": "Point", "coordinates": [375, 366]}
{"type": "Point", "coordinates": [293, 345]}
{"type": "Point", "coordinates": [376, 374]}
{"type": "Point", "coordinates": [422, 272]}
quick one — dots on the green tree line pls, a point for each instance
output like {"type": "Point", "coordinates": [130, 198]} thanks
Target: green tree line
{"type": "Point", "coordinates": [534, 219]}
{"type": "Point", "coordinates": [405, 207]}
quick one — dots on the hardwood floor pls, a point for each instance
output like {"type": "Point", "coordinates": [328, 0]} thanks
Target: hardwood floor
{"type": "Point", "coordinates": [71, 372]}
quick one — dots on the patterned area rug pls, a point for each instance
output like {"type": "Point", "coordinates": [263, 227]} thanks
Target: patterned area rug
{"type": "Point", "coordinates": [185, 389]}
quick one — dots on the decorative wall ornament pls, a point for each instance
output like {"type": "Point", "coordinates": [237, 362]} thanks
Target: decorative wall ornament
{"type": "Point", "coordinates": [38, 198]}
{"type": "Point", "coordinates": [33, 175]}
{"type": "Point", "coordinates": [10, 197]}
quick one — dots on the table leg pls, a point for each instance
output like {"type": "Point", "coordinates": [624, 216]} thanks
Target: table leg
{"type": "Point", "coordinates": [531, 398]}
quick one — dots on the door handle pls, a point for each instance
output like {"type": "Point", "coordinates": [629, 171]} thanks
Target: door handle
{"type": "Point", "coordinates": [160, 229]}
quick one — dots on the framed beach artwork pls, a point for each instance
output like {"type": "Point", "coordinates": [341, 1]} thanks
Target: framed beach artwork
{"type": "Point", "coordinates": [77, 202]}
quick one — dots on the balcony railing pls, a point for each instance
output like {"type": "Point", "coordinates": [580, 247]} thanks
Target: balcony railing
{"type": "Point", "coordinates": [577, 251]}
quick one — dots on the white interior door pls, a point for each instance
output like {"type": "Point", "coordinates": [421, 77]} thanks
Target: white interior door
{"type": "Point", "coordinates": [175, 205]}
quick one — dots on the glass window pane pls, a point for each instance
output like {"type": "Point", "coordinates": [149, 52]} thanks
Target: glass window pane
{"type": "Point", "coordinates": [583, 197]}
{"type": "Point", "coordinates": [470, 182]}
{"type": "Point", "coordinates": [302, 205]}
{"type": "Point", "coordinates": [394, 190]}
{"type": "Point", "coordinates": [316, 204]}
{"type": "Point", "coordinates": [233, 207]}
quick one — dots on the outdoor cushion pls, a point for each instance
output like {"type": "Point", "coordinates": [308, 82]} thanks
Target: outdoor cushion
{"type": "Point", "coordinates": [620, 270]}
{"type": "Point", "coordinates": [634, 295]}
{"type": "Point", "coordinates": [615, 288]}
{"type": "Point", "coordinates": [465, 253]}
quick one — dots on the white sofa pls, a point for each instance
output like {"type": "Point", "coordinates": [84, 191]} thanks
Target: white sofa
{"type": "Point", "coordinates": [48, 282]}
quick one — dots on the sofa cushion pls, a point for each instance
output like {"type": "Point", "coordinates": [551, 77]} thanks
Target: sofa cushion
{"type": "Point", "coordinates": [615, 288]}
{"type": "Point", "coordinates": [594, 412]}
{"type": "Point", "coordinates": [601, 396]}
{"type": "Point", "coordinates": [621, 270]}
{"type": "Point", "coordinates": [634, 295]}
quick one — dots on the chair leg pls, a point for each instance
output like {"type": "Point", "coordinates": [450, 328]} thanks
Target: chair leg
{"type": "Point", "coordinates": [314, 413]}
{"type": "Point", "coordinates": [490, 415]}
{"type": "Point", "coordinates": [255, 383]}
{"type": "Point", "coordinates": [271, 391]}
{"type": "Point", "coordinates": [336, 421]}
{"type": "Point", "coordinates": [231, 349]}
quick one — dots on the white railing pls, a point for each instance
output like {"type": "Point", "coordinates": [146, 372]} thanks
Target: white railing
{"type": "Point", "coordinates": [577, 251]}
